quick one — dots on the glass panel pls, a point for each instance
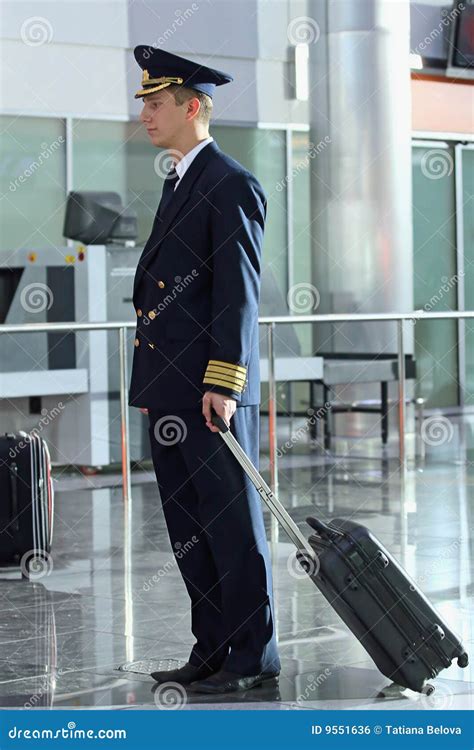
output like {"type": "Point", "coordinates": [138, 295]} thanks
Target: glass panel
{"type": "Point", "coordinates": [99, 155]}
{"type": "Point", "coordinates": [263, 152]}
{"type": "Point", "coordinates": [435, 288]}
{"type": "Point", "coordinates": [144, 185]}
{"type": "Point", "coordinates": [118, 156]}
{"type": "Point", "coordinates": [301, 296]}
{"type": "Point", "coordinates": [32, 182]}
{"type": "Point", "coordinates": [301, 171]}
{"type": "Point", "coordinates": [468, 230]}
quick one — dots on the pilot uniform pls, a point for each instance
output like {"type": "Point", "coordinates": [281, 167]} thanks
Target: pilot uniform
{"type": "Point", "coordinates": [196, 296]}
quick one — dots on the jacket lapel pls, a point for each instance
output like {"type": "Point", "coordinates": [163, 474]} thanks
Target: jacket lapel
{"type": "Point", "coordinates": [161, 225]}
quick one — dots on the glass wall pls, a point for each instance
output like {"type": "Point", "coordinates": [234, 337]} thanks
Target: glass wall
{"type": "Point", "coordinates": [467, 199]}
{"type": "Point", "coordinates": [263, 152]}
{"type": "Point", "coordinates": [435, 287]}
{"type": "Point", "coordinates": [144, 183]}
{"type": "Point", "coordinates": [32, 182]}
{"type": "Point", "coordinates": [117, 156]}
{"type": "Point", "coordinates": [98, 155]}
{"type": "Point", "coordinates": [301, 235]}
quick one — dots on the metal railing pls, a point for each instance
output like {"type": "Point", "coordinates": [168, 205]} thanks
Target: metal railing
{"type": "Point", "coordinates": [270, 322]}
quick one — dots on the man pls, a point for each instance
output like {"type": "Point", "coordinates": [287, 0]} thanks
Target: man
{"type": "Point", "coordinates": [196, 295]}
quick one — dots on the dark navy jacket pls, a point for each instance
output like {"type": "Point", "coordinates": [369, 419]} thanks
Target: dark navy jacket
{"type": "Point", "coordinates": [197, 287]}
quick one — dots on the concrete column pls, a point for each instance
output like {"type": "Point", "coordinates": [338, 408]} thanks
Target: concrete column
{"type": "Point", "coordinates": [360, 127]}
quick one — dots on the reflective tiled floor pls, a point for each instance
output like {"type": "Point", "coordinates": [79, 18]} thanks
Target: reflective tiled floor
{"type": "Point", "coordinates": [89, 627]}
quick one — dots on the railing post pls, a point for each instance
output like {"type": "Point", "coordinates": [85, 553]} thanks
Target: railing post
{"type": "Point", "coordinates": [124, 425]}
{"type": "Point", "coordinates": [407, 493]}
{"type": "Point", "coordinates": [272, 410]}
{"type": "Point", "coordinates": [401, 393]}
{"type": "Point", "coordinates": [272, 435]}
{"type": "Point", "coordinates": [126, 494]}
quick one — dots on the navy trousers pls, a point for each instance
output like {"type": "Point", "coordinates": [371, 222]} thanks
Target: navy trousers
{"type": "Point", "coordinates": [215, 524]}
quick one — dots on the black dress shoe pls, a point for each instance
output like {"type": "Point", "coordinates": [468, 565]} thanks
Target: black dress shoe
{"type": "Point", "coordinates": [183, 675]}
{"type": "Point", "coordinates": [228, 682]}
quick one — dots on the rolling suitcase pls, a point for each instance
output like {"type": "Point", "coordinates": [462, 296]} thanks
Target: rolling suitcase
{"type": "Point", "coordinates": [383, 607]}
{"type": "Point", "coordinates": [26, 501]}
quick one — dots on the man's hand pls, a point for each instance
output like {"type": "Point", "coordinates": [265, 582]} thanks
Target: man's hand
{"type": "Point", "coordinates": [224, 406]}
{"type": "Point", "coordinates": [143, 411]}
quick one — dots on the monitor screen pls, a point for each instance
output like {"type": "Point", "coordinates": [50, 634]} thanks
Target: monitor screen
{"type": "Point", "coordinates": [96, 218]}
{"type": "Point", "coordinates": [463, 52]}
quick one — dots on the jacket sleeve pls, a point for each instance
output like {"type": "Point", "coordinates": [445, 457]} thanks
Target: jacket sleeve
{"type": "Point", "coordinates": [238, 209]}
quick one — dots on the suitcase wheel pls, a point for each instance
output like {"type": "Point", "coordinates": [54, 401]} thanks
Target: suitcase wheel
{"type": "Point", "coordinates": [428, 689]}
{"type": "Point", "coordinates": [463, 660]}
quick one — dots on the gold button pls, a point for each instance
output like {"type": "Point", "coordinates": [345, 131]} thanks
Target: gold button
{"type": "Point", "coordinates": [152, 346]}
{"type": "Point", "coordinates": [137, 342]}
{"type": "Point", "coordinates": [152, 315]}
{"type": "Point", "coordinates": [139, 313]}
{"type": "Point", "coordinates": [161, 284]}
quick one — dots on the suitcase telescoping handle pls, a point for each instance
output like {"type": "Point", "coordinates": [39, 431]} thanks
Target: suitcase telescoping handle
{"type": "Point", "coordinates": [265, 492]}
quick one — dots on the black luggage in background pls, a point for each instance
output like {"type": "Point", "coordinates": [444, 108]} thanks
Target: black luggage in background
{"type": "Point", "coordinates": [26, 501]}
{"type": "Point", "coordinates": [402, 632]}
{"type": "Point", "coordinates": [36, 688]}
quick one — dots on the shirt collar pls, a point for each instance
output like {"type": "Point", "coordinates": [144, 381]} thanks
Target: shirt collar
{"type": "Point", "coordinates": [185, 162]}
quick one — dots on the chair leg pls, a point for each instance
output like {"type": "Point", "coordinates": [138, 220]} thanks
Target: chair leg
{"type": "Point", "coordinates": [384, 410]}
{"type": "Point", "coordinates": [313, 424]}
{"type": "Point", "coordinates": [327, 419]}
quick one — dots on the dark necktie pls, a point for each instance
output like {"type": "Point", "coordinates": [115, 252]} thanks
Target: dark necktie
{"type": "Point", "coordinates": [168, 189]}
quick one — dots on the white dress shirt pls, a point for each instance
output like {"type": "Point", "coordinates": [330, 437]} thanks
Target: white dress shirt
{"type": "Point", "coordinates": [185, 162]}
